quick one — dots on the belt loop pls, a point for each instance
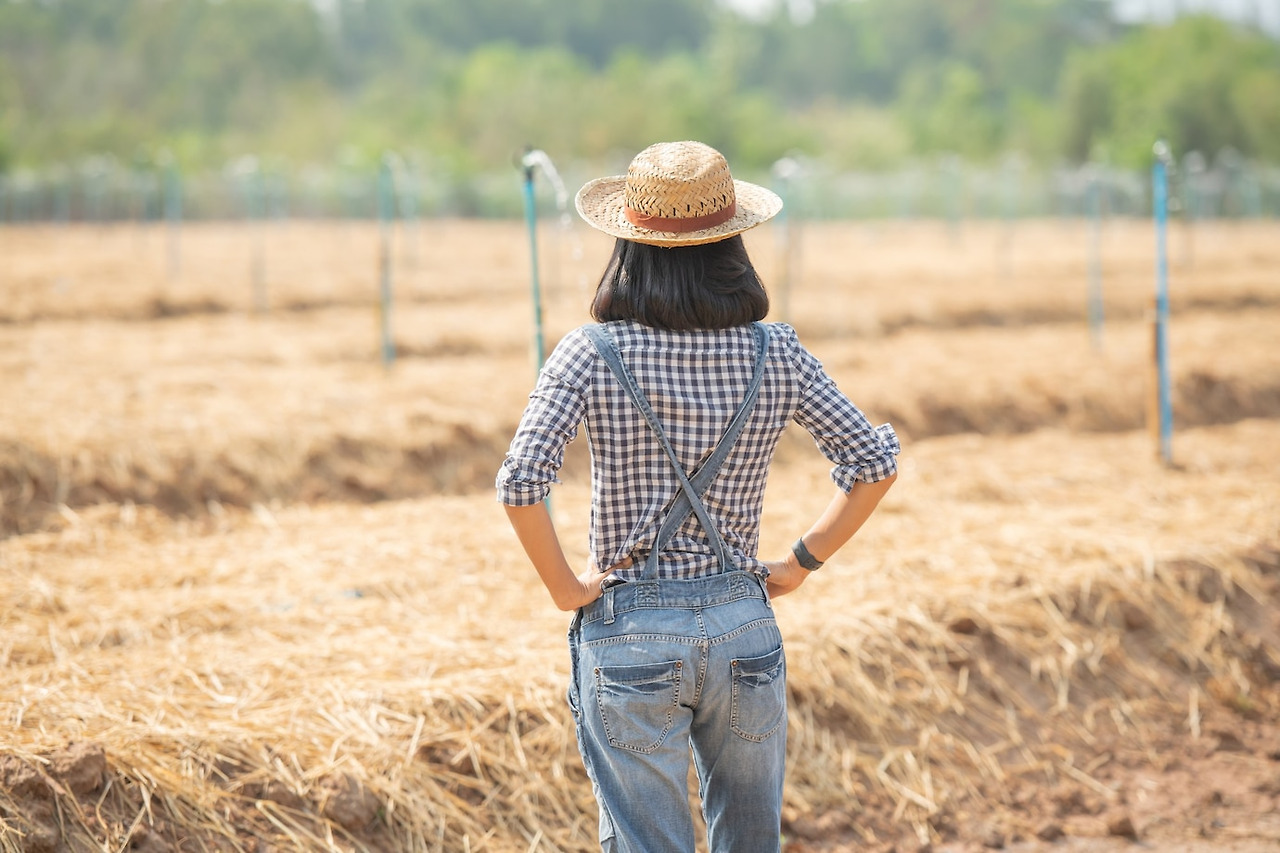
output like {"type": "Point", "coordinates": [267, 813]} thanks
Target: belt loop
{"type": "Point", "coordinates": [764, 587]}
{"type": "Point", "coordinates": [608, 606]}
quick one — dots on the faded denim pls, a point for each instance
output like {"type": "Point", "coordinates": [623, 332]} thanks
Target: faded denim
{"type": "Point", "coordinates": [663, 666]}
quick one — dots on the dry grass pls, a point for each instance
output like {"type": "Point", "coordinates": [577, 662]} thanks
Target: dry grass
{"type": "Point", "coordinates": [268, 579]}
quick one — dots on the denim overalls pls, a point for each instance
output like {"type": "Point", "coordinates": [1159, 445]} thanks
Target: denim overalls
{"type": "Point", "coordinates": [659, 665]}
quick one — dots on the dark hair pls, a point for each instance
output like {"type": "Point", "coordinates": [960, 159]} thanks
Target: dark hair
{"type": "Point", "coordinates": [683, 288]}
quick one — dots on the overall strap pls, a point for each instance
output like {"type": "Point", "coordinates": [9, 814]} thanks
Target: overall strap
{"type": "Point", "coordinates": [692, 488]}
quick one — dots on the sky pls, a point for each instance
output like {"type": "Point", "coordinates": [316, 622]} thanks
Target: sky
{"type": "Point", "coordinates": [1265, 12]}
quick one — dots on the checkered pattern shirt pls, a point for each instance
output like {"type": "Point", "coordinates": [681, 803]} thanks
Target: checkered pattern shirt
{"type": "Point", "coordinates": [695, 382]}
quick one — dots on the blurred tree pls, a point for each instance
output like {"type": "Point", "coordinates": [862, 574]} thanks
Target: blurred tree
{"type": "Point", "coordinates": [1086, 106]}
{"type": "Point", "coordinates": [1256, 99]}
{"type": "Point", "coordinates": [1200, 83]}
{"type": "Point", "coordinates": [863, 82]}
{"type": "Point", "coordinates": [949, 109]}
{"type": "Point", "coordinates": [506, 98]}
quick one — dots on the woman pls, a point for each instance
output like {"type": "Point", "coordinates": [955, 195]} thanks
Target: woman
{"type": "Point", "coordinates": [684, 394]}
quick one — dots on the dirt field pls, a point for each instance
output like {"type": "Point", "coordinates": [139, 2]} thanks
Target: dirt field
{"type": "Point", "coordinates": [255, 592]}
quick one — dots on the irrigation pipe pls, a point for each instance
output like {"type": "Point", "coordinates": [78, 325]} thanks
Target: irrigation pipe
{"type": "Point", "coordinates": [1162, 404]}
{"type": "Point", "coordinates": [531, 159]}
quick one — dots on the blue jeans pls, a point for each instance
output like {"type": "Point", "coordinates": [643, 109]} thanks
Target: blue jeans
{"type": "Point", "coordinates": [663, 665]}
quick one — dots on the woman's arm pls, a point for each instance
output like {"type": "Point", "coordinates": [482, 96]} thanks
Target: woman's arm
{"type": "Point", "coordinates": [537, 534]}
{"type": "Point", "coordinates": [836, 526]}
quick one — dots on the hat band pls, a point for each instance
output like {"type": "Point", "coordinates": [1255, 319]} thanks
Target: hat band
{"type": "Point", "coordinates": [683, 225]}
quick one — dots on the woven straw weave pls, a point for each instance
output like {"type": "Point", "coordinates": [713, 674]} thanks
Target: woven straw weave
{"type": "Point", "coordinates": [677, 181]}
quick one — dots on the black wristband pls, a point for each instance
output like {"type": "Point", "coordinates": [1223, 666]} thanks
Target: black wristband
{"type": "Point", "coordinates": [803, 556]}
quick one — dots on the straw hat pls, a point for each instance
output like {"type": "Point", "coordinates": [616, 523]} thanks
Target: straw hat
{"type": "Point", "coordinates": [676, 194]}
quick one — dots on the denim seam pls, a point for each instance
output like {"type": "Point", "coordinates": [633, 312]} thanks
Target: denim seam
{"type": "Point", "coordinates": [616, 611]}
{"type": "Point", "coordinates": [704, 662]}
{"type": "Point", "coordinates": [743, 629]}
{"type": "Point", "coordinates": [618, 639]}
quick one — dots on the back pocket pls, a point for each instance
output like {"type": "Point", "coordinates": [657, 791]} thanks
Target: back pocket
{"type": "Point", "coordinates": [759, 695]}
{"type": "Point", "coordinates": [638, 703]}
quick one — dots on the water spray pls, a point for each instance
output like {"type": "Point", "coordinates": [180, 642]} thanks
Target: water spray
{"type": "Point", "coordinates": [540, 160]}
{"type": "Point", "coordinates": [1194, 172]}
{"type": "Point", "coordinates": [785, 173]}
{"type": "Point", "coordinates": [534, 158]}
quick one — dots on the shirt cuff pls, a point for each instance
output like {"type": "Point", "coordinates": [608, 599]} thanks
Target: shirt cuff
{"type": "Point", "coordinates": [880, 464]}
{"type": "Point", "coordinates": [516, 488]}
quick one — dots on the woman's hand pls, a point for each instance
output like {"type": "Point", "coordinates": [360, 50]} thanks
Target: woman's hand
{"type": "Point", "coordinates": [589, 583]}
{"type": "Point", "coordinates": [537, 535]}
{"type": "Point", "coordinates": [785, 576]}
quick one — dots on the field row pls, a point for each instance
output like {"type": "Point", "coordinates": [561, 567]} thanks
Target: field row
{"type": "Point", "coordinates": [259, 584]}
{"type": "Point", "coordinates": [877, 276]}
{"type": "Point", "coordinates": [1069, 598]}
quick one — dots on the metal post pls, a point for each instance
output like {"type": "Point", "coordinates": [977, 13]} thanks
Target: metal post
{"type": "Point", "coordinates": [531, 216]}
{"type": "Point", "coordinates": [530, 159]}
{"type": "Point", "coordinates": [1160, 203]}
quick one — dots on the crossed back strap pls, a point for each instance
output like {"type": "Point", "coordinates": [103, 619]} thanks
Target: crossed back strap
{"type": "Point", "coordinates": [689, 499]}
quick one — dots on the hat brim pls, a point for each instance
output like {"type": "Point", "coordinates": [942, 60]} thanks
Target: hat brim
{"type": "Point", "coordinates": [600, 203]}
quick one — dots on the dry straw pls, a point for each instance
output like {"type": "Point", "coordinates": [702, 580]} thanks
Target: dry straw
{"type": "Point", "coordinates": [264, 669]}
{"type": "Point", "coordinates": [287, 681]}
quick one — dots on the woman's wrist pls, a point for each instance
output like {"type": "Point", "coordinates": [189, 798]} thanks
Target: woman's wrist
{"type": "Point", "coordinates": [803, 557]}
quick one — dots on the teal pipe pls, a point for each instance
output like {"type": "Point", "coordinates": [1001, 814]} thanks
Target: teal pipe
{"type": "Point", "coordinates": [531, 216]}
{"type": "Point", "coordinates": [1160, 204]}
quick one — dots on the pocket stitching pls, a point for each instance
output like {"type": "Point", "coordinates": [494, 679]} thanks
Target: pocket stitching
{"type": "Point", "coordinates": [779, 670]}
{"type": "Point", "coordinates": [676, 673]}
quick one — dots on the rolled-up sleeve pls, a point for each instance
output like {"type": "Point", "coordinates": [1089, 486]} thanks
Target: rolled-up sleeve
{"type": "Point", "coordinates": [861, 452]}
{"type": "Point", "coordinates": [550, 421]}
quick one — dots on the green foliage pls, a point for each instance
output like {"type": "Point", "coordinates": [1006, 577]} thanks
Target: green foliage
{"type": "Point", "coordinates": [1200, 83]}
{"type": "Point", "coordinates": [1255, 96]}
{"type": "Point", "coordinates": [863, 84]}
{"type": "Point", "coordinates": [948, 109]}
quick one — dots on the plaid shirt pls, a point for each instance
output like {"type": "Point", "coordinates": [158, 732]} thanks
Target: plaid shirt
{"type": "Point", "coordinates": [695, 382]}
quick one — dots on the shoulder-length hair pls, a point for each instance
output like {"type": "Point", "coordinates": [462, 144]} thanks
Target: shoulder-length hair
{"type": "Point", "coordinates": [682, 288]}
